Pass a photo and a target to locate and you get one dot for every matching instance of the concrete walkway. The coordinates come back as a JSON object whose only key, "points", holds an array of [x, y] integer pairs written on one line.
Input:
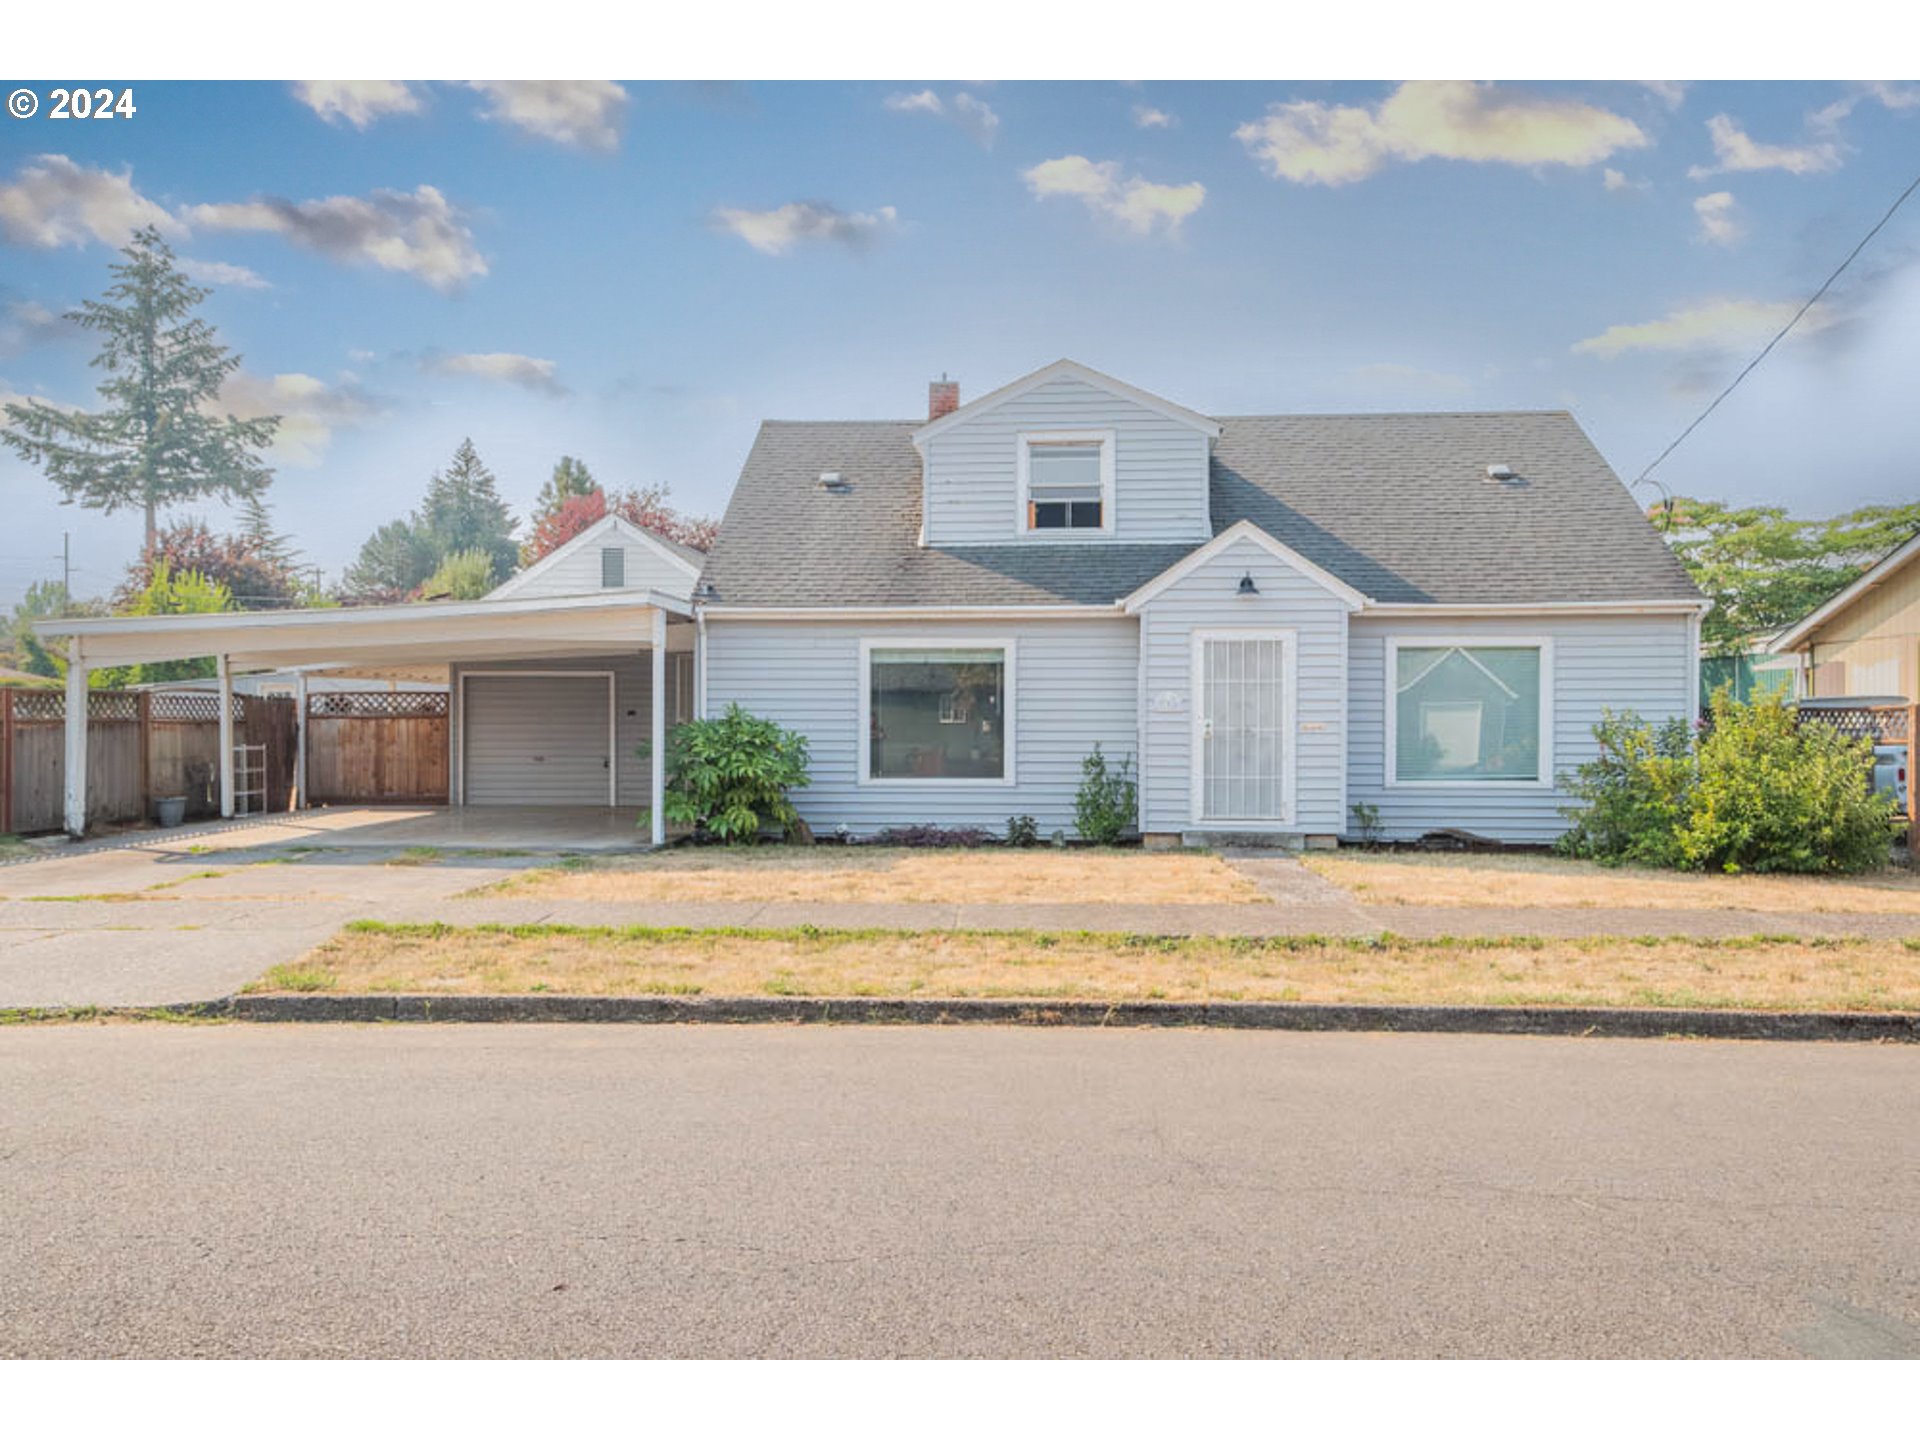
{"points": [[196, 915]]}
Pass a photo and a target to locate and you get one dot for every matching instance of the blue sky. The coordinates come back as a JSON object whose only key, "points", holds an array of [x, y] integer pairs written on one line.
{"points": [[638, 274]]}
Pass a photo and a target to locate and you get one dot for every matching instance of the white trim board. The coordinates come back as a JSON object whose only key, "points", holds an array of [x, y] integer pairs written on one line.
{"points": [[1245, 530], [1009, 717], [1390, 703], [605, 525], [1066, 370], [613, 721]]}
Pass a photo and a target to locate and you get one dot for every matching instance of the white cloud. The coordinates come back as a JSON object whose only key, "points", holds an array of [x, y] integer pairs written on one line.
{"points": [[1735, 151], [583, 113], [1147, 117], [51, 201], [1312, 143], [522, 370], [1137, 205], [25, 324], [924, 101], [1616, 180], [358, 102], [1709, 326], [1668, 92], [1891, 95], [219, 272], [972, 115], [1719, 224], [774, 232], [417, 234], [310, 410]]}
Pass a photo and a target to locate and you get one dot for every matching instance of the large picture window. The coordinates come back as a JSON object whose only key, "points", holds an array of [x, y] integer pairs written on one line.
{"points": [[936, 713], [1469, 713]]}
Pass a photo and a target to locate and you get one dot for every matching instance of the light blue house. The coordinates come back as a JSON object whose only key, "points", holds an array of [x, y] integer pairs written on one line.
{"points": [[1276, 618]]}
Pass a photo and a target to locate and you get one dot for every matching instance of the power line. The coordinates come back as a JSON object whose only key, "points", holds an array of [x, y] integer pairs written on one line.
{"points": [[1785, 329]]}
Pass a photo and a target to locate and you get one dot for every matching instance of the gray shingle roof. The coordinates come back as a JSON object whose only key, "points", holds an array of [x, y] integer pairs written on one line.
{"points": [[1398, 506]]}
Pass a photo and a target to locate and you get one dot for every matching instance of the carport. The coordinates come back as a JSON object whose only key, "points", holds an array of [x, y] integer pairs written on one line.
{"points": [[556, 684]]}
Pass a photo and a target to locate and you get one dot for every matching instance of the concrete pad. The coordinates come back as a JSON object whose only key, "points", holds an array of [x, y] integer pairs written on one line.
{"points": [[136, 967]]}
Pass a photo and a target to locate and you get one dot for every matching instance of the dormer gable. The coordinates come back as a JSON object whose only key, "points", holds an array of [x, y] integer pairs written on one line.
{"points": [[610, 554], [1065, 455]]}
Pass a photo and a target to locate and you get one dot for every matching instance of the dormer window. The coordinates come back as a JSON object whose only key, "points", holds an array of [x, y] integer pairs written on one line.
{"points": [[1066, 481]]}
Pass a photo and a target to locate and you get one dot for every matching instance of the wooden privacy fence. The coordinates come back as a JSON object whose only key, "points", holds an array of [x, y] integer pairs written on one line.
{"points": [[374, 747], [141, 746]]}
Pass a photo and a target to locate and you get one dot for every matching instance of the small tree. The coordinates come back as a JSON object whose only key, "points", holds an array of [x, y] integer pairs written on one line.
{"points": [[156, 440], [1633, 798], [730, 776], [463, 575], [1103, 810], [170, 592]]}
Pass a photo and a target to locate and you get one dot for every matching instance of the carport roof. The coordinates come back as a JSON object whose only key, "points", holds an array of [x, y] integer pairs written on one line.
{"points": [[377, 634]]}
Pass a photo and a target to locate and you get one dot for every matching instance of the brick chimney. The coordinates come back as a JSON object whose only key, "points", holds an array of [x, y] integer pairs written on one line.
{"points": [[943, 397]]}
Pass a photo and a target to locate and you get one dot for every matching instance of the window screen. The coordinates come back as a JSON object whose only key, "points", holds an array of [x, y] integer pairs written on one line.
{"points": [[1063, 486], [1467, 713]]}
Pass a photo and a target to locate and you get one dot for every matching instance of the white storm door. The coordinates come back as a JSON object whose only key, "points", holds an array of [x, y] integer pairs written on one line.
{"points": [[1242, 726]]}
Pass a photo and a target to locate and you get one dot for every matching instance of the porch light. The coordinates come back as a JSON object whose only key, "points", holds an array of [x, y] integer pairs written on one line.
{"points": [[1247, 587]]}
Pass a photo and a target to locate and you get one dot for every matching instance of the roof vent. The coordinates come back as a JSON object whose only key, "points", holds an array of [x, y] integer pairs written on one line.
{"points": [[1502, 473], [834, 482]]}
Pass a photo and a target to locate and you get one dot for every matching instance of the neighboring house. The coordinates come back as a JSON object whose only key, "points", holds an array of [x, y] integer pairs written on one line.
{"points": [[1866, 639], [1275, 618]]}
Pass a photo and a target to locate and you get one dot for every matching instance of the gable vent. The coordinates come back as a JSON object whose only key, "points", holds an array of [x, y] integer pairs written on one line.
{"points": [[834, 482]]}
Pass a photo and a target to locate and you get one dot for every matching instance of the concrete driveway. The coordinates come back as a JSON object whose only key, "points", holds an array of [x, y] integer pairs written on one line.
{"points": [[712, 1191]]}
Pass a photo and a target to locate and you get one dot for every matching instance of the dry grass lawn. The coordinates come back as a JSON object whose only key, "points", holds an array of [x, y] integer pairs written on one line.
{"points": [[1758, 973], [1397, 878], [833, 873]]}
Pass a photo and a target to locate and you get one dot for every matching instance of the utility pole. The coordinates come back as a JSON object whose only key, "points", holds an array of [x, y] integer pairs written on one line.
{"points": [[66, 572]]}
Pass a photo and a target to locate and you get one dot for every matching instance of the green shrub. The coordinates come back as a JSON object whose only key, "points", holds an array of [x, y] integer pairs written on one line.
{"points": [[1103, 810], [1633, 798], [730, 776], [1775, 795], [1022, 831], [1757, 791]]}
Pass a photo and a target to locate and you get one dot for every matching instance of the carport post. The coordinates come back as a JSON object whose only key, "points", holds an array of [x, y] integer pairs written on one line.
{"points": [[300, 740], [75, 797], [226, 738], [657, 752]]}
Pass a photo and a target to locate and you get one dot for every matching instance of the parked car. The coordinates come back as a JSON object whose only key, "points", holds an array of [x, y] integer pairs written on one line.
{"points": [[1889, 756]]}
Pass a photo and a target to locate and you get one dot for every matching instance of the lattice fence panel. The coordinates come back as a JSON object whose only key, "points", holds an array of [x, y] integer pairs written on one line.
{"points": [[189, 706], [1879, 723], [377, 704]]}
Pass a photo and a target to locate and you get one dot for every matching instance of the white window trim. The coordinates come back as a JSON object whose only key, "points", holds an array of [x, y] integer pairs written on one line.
{"points": [[870, 643], [1023, 443], [1390, 685], [613, 722], [1289, 639]]}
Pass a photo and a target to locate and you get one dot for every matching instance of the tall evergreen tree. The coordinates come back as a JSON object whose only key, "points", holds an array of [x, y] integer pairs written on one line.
{"points": [[570, 478], [152, 443], [462, 511], [256, 525]]}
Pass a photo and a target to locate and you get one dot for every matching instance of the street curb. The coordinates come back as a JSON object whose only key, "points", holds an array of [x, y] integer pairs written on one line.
{"points": [[1239, 1015]]}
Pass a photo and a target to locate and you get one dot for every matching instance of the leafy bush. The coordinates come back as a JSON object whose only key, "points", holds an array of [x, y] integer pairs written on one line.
{"points": [[934, 837], [1103, 810], [1634, 797], [1758, 791], [730, 776], [1022, 831], [1774, 794]]}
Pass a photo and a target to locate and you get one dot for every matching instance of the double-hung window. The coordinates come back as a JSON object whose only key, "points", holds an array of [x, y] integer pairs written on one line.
{"points": [[1469, 712], [1066, 481], [937, 712]]}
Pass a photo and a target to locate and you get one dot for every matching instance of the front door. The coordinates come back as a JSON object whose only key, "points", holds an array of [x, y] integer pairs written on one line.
{"points": [[1242, 724]]}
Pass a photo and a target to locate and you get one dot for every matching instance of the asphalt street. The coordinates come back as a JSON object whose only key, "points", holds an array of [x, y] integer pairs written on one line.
{"points": [[232, 1190]]}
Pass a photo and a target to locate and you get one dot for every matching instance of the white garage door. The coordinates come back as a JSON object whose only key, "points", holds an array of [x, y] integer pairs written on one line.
{"points": [[537, 739]]}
